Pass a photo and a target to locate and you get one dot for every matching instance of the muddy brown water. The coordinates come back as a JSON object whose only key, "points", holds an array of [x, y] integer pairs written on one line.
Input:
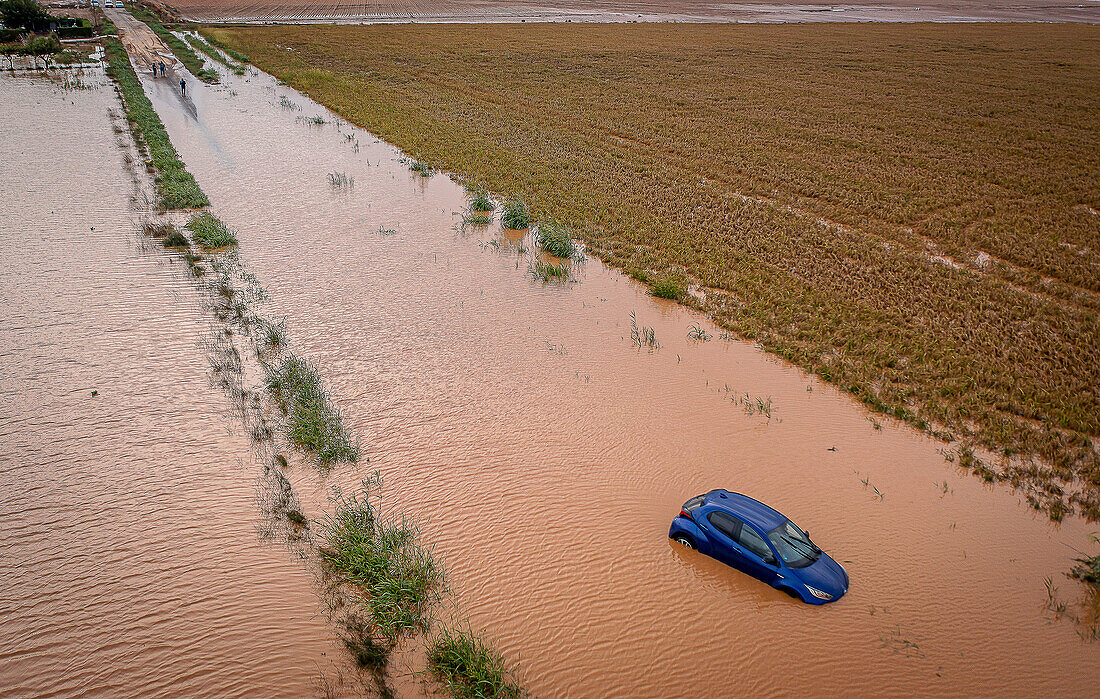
{"points": [[543, 454], [130, 560]]}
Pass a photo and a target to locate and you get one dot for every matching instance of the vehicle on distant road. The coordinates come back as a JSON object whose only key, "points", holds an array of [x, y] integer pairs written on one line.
{"points": [[748, 535]]}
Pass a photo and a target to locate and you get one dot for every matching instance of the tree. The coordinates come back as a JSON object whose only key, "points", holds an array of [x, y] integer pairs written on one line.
{"points": [[45, 46], [10, 51], [26, 14]]}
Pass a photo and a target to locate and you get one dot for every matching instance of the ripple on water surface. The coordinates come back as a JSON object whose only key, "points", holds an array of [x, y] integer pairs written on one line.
{"points": [[131, 562], [546, 455]]}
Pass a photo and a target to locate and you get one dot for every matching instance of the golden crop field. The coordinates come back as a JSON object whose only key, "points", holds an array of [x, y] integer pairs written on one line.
{"points": [[909, 211]]}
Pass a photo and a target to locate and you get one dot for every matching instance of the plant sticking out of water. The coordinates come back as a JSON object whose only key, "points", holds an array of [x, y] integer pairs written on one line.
{"points": [[288, 104], [755, 405], [340, 180], [480, 201], [385, 232], [515, 215], [273, 335], [551, 271], [314, 423], [421, 168], [175, 239], [383, 558], [1087, 568], [155, 229], [698, 332], [468, 667], [477, 218], [316, 120], [642, 336], [669, 286], [555, 240], [210, 232]]}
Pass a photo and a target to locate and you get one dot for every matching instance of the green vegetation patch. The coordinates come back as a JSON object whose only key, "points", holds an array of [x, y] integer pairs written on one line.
{"points": [[210, 232], [384, 558], [468, 667], [175, 187], [556, 240], [314, 423], [514, 215]]}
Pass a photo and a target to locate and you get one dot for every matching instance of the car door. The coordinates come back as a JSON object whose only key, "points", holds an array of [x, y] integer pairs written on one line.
{"points": [[724, 530], [760, 560]]}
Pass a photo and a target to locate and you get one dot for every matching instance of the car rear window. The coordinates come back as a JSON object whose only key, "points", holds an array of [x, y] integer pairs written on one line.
{"points": [[694, 503]]}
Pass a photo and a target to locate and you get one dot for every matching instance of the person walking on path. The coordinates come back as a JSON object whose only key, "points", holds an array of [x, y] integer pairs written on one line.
{"points": [[154, 70], [183, 86], [162, 73]]}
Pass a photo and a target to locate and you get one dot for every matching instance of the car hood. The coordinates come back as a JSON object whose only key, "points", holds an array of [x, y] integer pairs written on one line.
{"points": [[826, 575]]}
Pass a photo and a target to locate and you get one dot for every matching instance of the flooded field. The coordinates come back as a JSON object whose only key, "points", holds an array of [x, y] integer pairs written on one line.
{"points": [[633, 11], [545, 454], [133, 563]]}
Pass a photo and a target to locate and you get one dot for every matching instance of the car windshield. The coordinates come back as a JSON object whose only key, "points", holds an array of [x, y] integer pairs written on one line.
{"points": [[793, 545]]}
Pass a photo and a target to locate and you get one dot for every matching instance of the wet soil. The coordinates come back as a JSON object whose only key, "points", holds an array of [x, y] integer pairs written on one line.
{"points": [[545, 454]]}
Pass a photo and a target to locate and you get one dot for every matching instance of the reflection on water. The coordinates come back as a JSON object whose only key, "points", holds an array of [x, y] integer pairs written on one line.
{"points": [[545, 454]]}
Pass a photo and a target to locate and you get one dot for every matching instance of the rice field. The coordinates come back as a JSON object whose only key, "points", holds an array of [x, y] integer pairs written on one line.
{"points": [[911, 212]]}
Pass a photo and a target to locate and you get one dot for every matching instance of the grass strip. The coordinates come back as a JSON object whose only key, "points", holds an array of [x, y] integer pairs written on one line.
{"points": [[229, 50], [210, 51], [210, 232], [469, 668], [175, 187], [314, 423]]}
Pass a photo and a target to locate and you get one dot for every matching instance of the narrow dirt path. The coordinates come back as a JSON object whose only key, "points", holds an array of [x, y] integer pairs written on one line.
{"points": [[144, 46]]}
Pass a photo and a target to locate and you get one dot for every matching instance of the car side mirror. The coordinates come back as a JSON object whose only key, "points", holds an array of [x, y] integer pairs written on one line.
{"points": [[770, 560]]}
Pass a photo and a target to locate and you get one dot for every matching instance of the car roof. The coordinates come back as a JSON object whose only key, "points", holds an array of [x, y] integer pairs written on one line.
{"points": [[745, 508]]}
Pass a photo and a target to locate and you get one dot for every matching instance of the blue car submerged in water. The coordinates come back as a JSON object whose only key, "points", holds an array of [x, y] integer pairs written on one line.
{"points": [[752, 537]]}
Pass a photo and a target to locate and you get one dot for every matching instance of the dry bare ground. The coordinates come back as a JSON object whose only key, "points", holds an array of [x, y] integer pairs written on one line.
{"points": [[909, 211]]}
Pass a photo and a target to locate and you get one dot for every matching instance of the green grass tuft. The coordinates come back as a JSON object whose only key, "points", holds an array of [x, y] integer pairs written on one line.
{"points": [[551, 271], [554, 239], [313, 423], [669, 287], [210, 232], [384, 559], [515, 215], [481, 202], [470, 668]]}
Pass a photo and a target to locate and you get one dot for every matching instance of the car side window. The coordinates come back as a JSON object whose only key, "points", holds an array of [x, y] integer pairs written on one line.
{"points": [[754, 542], [730, 526]]}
